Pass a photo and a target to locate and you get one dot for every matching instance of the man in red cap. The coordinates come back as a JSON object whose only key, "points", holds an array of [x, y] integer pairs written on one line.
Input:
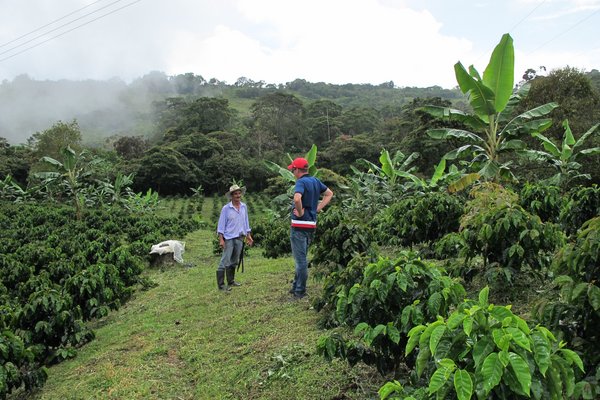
{"points": [[307, 193]]}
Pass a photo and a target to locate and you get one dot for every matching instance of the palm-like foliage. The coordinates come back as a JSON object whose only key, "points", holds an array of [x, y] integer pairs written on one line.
{"points": [[69, 174], [493, 128], [564, 158]]}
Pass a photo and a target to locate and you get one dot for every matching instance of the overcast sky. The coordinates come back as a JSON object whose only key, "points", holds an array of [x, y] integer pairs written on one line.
{"points": [[410, 42]]}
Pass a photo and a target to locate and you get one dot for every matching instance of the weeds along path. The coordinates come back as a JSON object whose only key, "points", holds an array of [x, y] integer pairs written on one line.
{"points": [[185, 340]]}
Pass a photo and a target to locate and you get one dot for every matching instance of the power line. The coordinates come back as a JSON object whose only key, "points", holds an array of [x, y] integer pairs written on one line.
{"points": [[57, 28], [527, 16], [50, 23], [65, 32], [565, 31], [519, 23]]}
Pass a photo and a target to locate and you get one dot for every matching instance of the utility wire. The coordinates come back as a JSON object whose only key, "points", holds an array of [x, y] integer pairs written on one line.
{"points": [[65, 32], [57, 28], [527, 16], [565, 31], [518, 23], [49, 23]]}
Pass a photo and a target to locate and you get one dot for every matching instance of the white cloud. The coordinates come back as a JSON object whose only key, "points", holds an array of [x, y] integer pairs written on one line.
{"points": [[332, 41]]}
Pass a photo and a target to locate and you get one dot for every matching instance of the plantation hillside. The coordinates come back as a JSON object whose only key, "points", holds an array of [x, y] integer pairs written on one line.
{"points": [[458, 259]]}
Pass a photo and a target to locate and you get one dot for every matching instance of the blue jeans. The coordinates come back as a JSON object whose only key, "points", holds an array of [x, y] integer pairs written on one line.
{"points": [[300, 240], [231, 254]]}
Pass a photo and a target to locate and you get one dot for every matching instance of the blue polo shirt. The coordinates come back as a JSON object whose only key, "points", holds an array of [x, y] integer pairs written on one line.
{"points": [[310, 188]]}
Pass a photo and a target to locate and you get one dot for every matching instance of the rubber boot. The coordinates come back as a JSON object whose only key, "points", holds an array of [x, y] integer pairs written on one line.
{"points": [[221, 281], [231, 277]]}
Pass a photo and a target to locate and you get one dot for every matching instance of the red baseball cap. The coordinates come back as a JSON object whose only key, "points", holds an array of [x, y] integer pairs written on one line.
{"points": [[299, 163]]}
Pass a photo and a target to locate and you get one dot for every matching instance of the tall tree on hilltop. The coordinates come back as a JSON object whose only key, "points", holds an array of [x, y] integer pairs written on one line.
{"points": [[279, 116], [52, 141]]}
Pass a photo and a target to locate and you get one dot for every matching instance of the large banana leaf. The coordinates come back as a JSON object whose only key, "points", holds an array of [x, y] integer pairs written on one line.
{"points": [[463, 182], [439, 172], [499, 75], [471, 121], [480, 96], [548, 145], [585, 136], [456, 153], [386, 165], [513, 102], [536, 112], [445, 133], [510, 145], [490, 169]]}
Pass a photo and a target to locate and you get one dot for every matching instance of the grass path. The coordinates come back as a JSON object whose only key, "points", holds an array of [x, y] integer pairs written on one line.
{"points": [[185, 340]]}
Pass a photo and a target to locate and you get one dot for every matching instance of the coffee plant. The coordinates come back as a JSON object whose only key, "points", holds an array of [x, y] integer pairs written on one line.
{"points": [[390, 299], [576, 313], [419, 218], [542, 200], [505, 235], [486, 351], [583, 204], [56, 273]]}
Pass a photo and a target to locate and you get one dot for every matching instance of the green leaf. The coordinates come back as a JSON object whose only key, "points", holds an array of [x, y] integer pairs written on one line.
{"points": [[422, 360], [434, 303], [519, 337], [500, 313], [379, 329], [572, 357], [468, 325], [480, 96], [393, 333], [578, 290], [567, 375], [499, 74], [521, 370], [594, 296], [413, 338], [436, 335], [463, 384], [491, 371], [438, 379], [445, 133], [455, 319], [424, 339], [583, 138], [389, 388], [482, 348], [541, 351], [490, 169], [439, 171], [483, 297]]}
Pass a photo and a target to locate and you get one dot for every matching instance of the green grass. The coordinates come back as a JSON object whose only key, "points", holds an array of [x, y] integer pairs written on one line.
{"points": [[183, 339]]}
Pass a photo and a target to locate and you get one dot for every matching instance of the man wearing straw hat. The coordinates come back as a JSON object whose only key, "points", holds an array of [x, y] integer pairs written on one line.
{"points": [[233, 229]]}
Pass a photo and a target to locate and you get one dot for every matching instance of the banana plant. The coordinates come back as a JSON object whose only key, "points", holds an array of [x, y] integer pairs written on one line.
{"points": [[393, 167], [493, 131], [69, 173], [564, 158], [399, 167], [311, 157]]}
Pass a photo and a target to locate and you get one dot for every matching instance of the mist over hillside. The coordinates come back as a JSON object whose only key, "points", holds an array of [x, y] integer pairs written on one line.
{"points": [[113, 107], [102, 108]]}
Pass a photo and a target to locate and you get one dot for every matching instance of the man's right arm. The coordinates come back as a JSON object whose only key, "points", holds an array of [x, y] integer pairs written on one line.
{"points": [[327, 196]]}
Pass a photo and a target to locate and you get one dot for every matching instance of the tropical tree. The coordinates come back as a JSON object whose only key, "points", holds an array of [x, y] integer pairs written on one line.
{"points": [[494, 130], [278, 116], [52, 141], [70, 174], [564, 158]]}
